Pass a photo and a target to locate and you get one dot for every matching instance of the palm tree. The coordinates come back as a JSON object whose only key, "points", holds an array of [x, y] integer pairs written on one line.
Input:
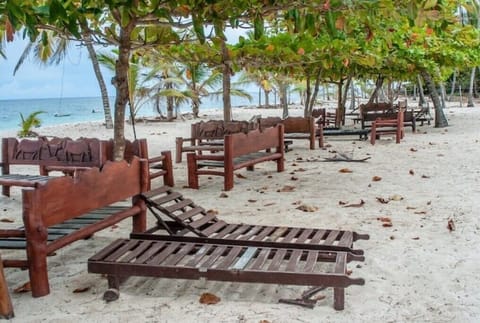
{"points": [[137, 93], [28, 123], [199, 83], [54, 50]]}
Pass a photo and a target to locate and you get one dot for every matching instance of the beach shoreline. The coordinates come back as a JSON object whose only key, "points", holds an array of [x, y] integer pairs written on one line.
{"points": [[415, 270]]}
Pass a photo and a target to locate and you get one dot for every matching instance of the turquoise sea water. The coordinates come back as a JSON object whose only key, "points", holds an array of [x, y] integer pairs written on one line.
{"points": [[74, 110]]}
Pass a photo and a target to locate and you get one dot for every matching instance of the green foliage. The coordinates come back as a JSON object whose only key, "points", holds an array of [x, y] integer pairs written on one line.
{"points": [[31, 121]]}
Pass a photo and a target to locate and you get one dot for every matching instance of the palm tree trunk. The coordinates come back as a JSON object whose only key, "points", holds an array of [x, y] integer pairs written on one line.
{"points": [[87, 37], [440, 119]]}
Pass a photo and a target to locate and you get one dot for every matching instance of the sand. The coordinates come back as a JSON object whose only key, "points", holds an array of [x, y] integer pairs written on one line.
{"points": [[416, 270]]}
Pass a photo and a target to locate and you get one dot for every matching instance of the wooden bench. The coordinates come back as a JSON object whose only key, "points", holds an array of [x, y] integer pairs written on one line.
{"points": [[388, 126], [203, 135], [65, 209], [67, 155], [240, 150], [325, 118], [371, 112], [300, 128], [295, 128]]}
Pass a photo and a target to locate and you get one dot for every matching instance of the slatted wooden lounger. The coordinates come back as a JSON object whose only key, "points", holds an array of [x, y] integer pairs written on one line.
{"points": [[191, 219], [222, 262]]}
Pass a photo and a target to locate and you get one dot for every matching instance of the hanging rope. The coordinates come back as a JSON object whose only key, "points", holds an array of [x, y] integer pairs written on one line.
{"points": [[132, 116]]}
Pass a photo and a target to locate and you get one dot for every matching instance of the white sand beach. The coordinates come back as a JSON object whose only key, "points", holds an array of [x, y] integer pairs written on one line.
{"points": [[416, 270]]}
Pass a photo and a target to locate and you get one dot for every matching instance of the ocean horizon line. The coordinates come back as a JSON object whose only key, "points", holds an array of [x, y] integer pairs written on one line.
{"points": [[54, 98]]}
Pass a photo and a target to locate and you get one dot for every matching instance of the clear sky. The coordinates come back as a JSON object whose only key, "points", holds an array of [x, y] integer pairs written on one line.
{"points": [[72, 78]]}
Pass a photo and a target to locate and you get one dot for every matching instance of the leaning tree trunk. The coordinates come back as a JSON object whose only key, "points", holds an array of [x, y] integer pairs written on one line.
{"points": [[452, 89], [421, 93], [345, 92], [282, 91], [340, 107], [440, 119], [378, 86], [121, 85], [470, 89], [87, 37], [227, 72]]}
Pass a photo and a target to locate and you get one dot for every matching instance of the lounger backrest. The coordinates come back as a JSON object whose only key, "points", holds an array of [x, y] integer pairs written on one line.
{"points": [[298, 125], [255, 140]]}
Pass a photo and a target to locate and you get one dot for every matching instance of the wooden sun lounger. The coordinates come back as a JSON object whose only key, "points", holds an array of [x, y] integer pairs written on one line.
{"points": [[222, 262], [67, 209], [191, 219]]}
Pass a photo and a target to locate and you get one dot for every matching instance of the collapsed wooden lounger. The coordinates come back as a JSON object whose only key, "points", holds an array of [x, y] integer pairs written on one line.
{"points": [[222, 262], [191, 219]]}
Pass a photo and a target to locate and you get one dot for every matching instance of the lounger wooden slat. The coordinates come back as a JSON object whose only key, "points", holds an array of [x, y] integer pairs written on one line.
{"points": [[294, 259], [162, 255], [291, 235], [198, 223], [332, 237], [243, 261], [265, 232], [192, 212], [150, 252], [277, 260], [304, 235], [252, 232], [346, 237], [121, 251], [261, 259], [318, 236], [209, 261], [135, 252], [228, 229], [311, 261], [231, 263], [167, 198], [184, 250], [108, 250], [219, 225], [238, 232], [199, 255], [179, 205], [278, 233], [227, 261], [157, 191]]}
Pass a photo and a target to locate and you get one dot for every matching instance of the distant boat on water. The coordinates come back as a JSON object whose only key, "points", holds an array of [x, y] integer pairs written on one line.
{"points": [[61, 114]]}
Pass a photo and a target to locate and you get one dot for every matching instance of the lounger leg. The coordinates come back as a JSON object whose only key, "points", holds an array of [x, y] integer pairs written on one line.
{"points": [[139, 221], [6, 308], [113, 291], [338, 298], [168, 167], [6, 190], [178, 150], [37, 271], [373, 134], [192, 171]]}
